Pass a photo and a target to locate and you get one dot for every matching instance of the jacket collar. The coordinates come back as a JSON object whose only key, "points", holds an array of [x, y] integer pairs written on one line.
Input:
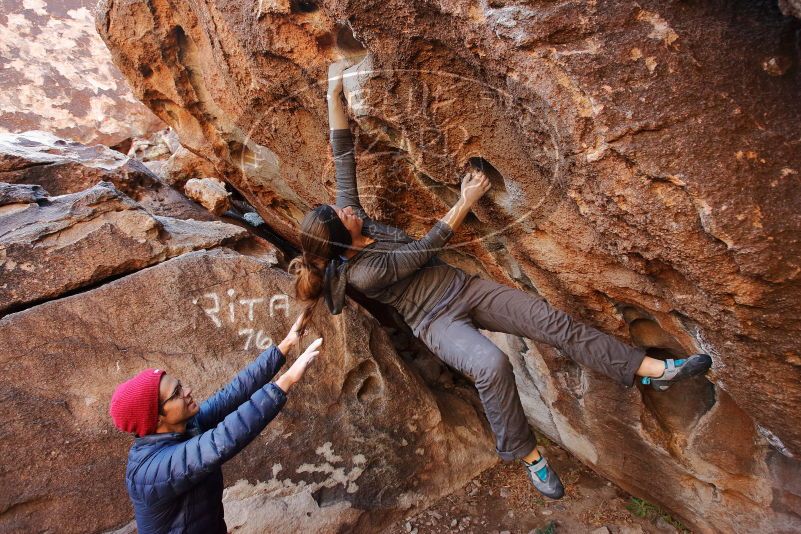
{"points": [[161, 437], [191, 431]]}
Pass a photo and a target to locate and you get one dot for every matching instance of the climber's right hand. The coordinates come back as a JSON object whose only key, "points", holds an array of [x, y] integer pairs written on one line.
{"points": [[474, 184]]}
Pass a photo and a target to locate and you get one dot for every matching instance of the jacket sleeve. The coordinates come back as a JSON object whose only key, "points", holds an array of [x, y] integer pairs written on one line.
{"points": [[178, 468], [345, 169], [241, 388], [381, 270]]}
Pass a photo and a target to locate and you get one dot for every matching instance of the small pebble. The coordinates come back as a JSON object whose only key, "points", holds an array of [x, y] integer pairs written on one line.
{"points": [[408, 527], [453, 523], [546, 512]]}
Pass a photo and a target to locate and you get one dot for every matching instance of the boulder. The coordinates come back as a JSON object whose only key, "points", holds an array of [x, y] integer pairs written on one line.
{"points": [[11, 194], [158, 147], [667, 446], [51, 246], [163, 154], [182, 166], [63, 166], [644, 168], [360, 442], [209, 193]]}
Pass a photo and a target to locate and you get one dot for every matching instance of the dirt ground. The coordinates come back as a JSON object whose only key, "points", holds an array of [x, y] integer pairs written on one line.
{"points": [[502, 501]]}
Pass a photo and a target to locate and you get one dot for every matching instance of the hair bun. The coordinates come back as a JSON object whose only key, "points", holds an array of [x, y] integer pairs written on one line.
{"points": [[310, 265]]}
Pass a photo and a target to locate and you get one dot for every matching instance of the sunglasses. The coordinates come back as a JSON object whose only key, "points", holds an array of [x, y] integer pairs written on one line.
{"points": [[176, 392]]}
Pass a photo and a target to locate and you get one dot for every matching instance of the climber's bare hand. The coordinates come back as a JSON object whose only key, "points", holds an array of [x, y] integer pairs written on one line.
{"points": [[335, 76], [474, 184]]}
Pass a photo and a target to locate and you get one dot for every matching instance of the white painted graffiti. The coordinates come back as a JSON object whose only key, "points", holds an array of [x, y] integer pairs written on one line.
{"points": [[237, 310], [259, 338]]}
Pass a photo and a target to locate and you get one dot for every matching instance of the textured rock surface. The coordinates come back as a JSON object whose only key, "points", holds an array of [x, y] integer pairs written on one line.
{"points": [[163, 154], [57, 76], [50, 247], [791, 7], [159, 146], [182, 166], [61, 166], [11, 194], [359, 442], [209, 193], [647, 180]]}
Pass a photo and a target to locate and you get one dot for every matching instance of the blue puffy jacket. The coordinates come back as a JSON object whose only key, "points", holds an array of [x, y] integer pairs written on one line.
{"points": [[174, 479]]}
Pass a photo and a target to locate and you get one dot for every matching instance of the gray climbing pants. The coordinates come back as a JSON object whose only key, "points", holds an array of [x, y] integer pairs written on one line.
{"points": [[451, 332]]}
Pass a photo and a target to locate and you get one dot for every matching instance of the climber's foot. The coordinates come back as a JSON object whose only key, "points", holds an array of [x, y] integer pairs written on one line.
{"points": [[544, 478], [676, 370]]}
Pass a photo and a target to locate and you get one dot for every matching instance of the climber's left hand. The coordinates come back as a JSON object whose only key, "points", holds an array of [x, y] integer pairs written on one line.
{"points": [[335, 77]]}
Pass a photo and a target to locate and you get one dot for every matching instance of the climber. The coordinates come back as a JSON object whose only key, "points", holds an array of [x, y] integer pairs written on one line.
{"points": [[445, 307], [173, 474]]}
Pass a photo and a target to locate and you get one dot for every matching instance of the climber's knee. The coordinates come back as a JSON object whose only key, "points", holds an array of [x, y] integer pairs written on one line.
{"points": [[494, 367]]}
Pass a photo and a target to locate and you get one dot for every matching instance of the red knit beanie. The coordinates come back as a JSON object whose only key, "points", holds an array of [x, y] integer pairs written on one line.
{"points": [[135, 403]]}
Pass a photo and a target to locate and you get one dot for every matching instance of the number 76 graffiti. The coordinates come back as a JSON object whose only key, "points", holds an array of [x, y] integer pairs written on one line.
{"points": [[238, 310]]}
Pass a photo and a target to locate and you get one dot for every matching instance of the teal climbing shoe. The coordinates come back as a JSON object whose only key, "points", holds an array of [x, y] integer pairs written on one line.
{"points": [[676, 370], [544, 478]]}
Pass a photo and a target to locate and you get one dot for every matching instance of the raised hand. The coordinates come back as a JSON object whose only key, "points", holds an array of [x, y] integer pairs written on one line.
{"points": [[305, 359], [337, 118], [294, 332], [335, 76], [293, 337], [298, 368], [474, 184]]}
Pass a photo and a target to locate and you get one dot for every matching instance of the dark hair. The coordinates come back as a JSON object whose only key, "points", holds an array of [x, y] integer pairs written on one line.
{"points": [[322, 237]]}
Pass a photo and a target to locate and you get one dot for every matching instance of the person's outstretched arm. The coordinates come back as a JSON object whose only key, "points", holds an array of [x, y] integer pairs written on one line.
{"points": [[247, 381], [342, 143], [381, 270], [174, 470]]}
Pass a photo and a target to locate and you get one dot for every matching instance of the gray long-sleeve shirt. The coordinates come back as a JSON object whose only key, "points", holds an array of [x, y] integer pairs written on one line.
{"points": [[395, 269]]}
